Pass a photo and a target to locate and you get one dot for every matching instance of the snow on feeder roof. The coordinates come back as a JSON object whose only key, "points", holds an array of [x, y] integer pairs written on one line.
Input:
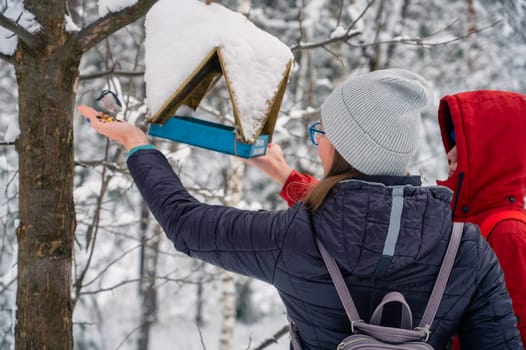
{"points": [[189, 45]]}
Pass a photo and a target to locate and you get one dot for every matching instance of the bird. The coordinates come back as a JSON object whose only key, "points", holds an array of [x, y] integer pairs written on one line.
{"points": [[110, 102]]}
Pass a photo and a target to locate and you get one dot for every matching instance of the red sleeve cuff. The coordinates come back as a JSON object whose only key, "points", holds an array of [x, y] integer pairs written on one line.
{"points": [[296, 187]]}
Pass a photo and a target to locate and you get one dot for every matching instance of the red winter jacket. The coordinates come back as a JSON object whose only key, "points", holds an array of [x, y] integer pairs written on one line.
{"points": [[490, 134]]}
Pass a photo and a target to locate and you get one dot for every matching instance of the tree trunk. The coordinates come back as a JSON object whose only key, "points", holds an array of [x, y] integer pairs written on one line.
{"points": [[374, 61], [234, 191], [148, 287], [199, 320], [228, 300], [46, 85], [472, 28], [46, 63], [399, 29]]}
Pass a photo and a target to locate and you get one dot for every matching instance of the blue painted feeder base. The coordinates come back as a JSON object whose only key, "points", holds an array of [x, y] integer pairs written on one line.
{"points": [[208, 135]]}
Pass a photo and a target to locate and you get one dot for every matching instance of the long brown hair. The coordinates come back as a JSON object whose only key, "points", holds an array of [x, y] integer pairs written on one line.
{"points": [[340, 170]]}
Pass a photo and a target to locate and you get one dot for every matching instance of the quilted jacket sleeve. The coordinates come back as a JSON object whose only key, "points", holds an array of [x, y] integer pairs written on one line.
{"points": [[489, 322], [242, 241]]}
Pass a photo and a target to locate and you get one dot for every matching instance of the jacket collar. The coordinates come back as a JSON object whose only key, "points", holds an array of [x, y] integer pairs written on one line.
{"points": [[391, 180]]}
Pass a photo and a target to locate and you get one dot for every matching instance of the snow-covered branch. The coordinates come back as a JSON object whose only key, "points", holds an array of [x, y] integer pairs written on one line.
{"points": [[344, 35], [274, 338], [7, 58], [8, 143], [103, 27], [309, 46], [418, 41], [23, 34], [426, 41]]}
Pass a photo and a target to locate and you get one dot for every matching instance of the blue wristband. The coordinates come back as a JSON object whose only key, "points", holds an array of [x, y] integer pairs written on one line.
{"points": [[136, 148]]}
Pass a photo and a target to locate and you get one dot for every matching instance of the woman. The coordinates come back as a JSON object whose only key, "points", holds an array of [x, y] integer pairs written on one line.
{"points": [[367, 133]]}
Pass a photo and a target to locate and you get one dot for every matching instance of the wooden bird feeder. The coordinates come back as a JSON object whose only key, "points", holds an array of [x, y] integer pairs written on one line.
{"points": [[213, 136]]}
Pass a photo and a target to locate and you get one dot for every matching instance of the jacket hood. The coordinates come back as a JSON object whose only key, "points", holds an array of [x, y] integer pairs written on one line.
{"points": [[354, 221], [490, 135]]}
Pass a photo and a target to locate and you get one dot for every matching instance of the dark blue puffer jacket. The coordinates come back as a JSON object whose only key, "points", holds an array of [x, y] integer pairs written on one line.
{"points": [[279, 248]]}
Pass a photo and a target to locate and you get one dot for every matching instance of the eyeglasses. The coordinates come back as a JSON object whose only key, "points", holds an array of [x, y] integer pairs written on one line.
{"points": [[315, 131]]}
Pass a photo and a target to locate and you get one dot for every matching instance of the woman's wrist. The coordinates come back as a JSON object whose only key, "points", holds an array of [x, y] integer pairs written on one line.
{"points": [[281, 174], [137, 148], [135, 139]]}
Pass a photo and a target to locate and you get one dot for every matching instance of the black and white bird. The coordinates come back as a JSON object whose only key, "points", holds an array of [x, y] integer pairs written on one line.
{"points": [[110, 102]]}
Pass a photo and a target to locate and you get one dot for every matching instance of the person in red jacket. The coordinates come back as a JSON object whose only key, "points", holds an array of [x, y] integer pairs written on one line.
{"points": [[484, 135]]}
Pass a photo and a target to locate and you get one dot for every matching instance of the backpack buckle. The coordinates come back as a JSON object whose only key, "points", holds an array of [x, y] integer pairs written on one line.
{"points": [[352, 325], [426, 331]]}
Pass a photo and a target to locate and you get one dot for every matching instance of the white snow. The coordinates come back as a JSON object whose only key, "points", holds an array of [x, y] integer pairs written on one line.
{"points": [[338, 32], [109, 6], [355, 14], [12, 132], [26, 19], [180, 34], [8, 42], [312, 13], [69, 25]]}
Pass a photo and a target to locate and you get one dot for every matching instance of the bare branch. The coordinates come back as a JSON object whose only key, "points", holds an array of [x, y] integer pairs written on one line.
{"points": [[103, 27], [274, 338], [422, 41], [337, 56], [96, 163], [369, 4], [7, 58], [128, 336], [6, 286], [309, 46], [7, 143], [110, 73], [107, 267], [418, 41], [23, 34], [201, 336], [164, 279], [341, 38], [340, 13]]}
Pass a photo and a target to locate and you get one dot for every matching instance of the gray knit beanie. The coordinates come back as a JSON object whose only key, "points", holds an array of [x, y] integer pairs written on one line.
{"points": [[373, 120]]}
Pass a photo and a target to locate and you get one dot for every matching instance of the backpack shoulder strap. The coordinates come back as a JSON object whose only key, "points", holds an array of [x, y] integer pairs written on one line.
{"points": [[339, 283], [436, 294], [443, 276], [492, 220]]}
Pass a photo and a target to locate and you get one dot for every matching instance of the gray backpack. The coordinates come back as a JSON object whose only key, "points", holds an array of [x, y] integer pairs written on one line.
{"points": [[374, 336]]}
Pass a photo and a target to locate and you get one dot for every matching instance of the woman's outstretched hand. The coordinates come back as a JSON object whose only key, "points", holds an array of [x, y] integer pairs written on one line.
{"points": [[123, 132]]}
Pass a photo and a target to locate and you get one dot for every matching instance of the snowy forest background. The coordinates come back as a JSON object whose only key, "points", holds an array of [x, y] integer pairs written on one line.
{"points": [[131, 290]]}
